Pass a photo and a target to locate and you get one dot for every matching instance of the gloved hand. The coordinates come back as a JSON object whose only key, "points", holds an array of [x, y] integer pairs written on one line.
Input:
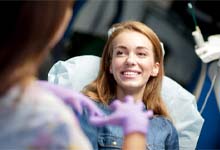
{"points": [[74, 99], [128, 114]]}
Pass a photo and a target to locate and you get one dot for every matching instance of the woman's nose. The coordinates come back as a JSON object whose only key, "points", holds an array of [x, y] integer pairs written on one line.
{"points": [[131, 60]]}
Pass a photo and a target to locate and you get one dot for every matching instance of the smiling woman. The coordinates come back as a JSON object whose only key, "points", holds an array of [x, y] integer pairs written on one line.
{"points": [[131, 64]]}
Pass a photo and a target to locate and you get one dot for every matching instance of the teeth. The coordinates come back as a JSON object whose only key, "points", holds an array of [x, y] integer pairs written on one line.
{"points": [[130, 73]]}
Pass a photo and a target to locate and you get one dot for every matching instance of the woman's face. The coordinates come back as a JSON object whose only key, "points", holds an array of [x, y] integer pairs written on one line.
{"points": [[132, 61]]}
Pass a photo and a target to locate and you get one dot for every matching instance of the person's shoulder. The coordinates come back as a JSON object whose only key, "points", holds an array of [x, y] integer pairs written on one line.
{"points": [[57, 119], [43, 104], [39, 115], [162, 122]]}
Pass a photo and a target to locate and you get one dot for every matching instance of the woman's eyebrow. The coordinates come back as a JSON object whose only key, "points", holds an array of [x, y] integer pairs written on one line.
{"points": [[142, 48], [121, 47]]}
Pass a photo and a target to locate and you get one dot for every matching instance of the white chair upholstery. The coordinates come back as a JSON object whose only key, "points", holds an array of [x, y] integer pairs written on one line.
{"points": [[182, 107], [77, 72]]}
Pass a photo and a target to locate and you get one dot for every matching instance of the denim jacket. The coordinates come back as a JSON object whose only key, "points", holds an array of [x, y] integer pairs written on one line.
{"points": [[161, 135]]}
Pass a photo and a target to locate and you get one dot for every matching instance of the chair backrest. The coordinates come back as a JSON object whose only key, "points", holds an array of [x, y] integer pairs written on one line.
{"points": [[77, 72]]}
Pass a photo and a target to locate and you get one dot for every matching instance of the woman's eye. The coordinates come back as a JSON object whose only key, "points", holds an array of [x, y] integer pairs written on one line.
{"points": [[142, 54], [119, 53]]}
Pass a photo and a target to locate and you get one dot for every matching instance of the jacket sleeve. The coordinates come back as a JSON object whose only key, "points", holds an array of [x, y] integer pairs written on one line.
{"points": [[172, 141]]}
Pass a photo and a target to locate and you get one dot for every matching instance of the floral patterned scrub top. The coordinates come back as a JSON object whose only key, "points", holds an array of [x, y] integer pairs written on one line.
{"points": [[34, 119]]}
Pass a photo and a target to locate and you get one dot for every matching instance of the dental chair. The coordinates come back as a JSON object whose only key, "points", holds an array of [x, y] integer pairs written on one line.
{"points": [[78, 71]]}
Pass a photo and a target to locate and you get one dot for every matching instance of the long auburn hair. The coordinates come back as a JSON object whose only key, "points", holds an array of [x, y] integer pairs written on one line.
{"points": [[27, 28], [102, 89]]}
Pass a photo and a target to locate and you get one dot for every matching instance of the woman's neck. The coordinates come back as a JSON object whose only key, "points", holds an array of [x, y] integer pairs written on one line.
{"points": [[137, 93]]}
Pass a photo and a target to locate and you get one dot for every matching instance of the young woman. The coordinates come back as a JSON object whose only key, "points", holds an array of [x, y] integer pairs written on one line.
{"points": [[131, 64]]}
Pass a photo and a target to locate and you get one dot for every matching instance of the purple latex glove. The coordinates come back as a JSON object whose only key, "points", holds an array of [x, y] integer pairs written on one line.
{"points": [[72, 98], [128, 114]]}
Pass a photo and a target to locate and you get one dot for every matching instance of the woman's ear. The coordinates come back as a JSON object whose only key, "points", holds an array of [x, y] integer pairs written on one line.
{"points": [[155, 70]]}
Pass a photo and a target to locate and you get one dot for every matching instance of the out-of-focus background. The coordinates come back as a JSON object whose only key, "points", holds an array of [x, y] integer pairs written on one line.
{"points": [[173, 23], [170, 19]]}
